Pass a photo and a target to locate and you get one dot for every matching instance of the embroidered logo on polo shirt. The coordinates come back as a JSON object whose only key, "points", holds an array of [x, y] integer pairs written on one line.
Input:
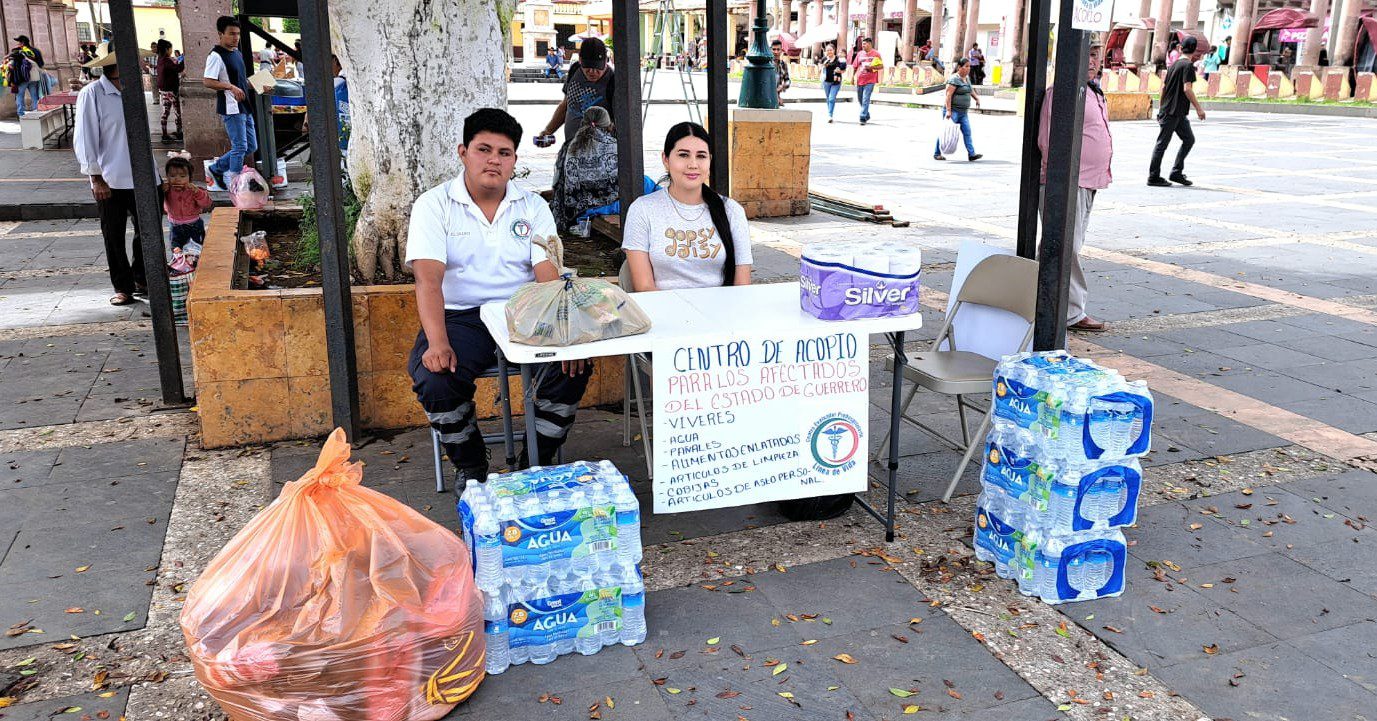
{"points": [[521, 229]]}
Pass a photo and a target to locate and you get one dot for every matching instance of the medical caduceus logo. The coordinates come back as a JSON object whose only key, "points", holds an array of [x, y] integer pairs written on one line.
{"points": [[835, 441]]}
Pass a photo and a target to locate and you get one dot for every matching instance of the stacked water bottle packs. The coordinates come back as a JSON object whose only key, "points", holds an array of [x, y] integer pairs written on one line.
{"points": [[1061, 475], [556, 553]]}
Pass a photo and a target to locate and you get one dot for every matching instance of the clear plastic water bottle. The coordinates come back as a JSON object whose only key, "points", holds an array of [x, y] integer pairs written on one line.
{"points": [[998, 522], [1091, 562], [610, 578], [488, 552], [633, 609], [495, 633], [542, 650], [563, 580], [588, 641], [628, 525]]}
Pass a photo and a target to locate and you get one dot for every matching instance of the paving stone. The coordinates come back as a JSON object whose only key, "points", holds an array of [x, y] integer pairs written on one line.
{"points": [[1270, 356], [1273, 388], [1164, 533], [1269, 331], [942, 652], [496, 700], [1166, 450], [1216, 435], [1141, 345], [58, 505], [113, 460], [855, 598], [1347, 650], [1352, 493], [91, 705], [1274, 682], [25, 468], [816, 688], [1347, 377], [114, 593], [683, 619], [1354, 565], [1186, 623], [1032, 709], [1283, 597], [925, 477], [1313, 523], [1330, 348], [1207, 338], [1350, 413], [38, 554]]}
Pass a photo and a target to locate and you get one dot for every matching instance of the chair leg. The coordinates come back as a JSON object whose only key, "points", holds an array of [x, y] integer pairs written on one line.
{"points": [[903, 408], [966, 458], [504, 389], [626, 402], [961, 415], [640, 413], [439, 461]]}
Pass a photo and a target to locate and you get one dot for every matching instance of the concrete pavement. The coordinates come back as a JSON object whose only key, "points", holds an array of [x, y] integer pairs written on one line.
{"points": [[1246, 302]]}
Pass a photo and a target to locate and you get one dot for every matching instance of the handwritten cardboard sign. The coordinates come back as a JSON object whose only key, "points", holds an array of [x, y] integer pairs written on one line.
{"points": [[760, 418]]}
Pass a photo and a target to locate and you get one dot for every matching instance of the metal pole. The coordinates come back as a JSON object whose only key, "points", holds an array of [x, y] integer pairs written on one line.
{"points": [[626, 87], [1035, 83], [147, 204], [329, 195], [759, 79], [1063, 186], [717, 96]]}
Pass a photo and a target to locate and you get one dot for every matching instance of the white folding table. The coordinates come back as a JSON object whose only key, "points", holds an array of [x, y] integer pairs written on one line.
{"points": [[692, 314]]}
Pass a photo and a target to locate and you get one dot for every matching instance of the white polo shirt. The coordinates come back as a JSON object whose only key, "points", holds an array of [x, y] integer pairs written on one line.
{"points": [[484, 261]]}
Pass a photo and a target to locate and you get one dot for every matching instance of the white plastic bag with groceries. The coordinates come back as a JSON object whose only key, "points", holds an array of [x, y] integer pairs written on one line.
{"points": [[571, 310]]}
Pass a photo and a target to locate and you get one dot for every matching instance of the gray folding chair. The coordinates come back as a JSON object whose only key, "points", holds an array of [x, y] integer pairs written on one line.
{"points": [[999, 281], [636, 365]]}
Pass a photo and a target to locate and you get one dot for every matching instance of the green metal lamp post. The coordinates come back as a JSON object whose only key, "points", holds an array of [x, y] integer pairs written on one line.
{"points": [[759, 79]]}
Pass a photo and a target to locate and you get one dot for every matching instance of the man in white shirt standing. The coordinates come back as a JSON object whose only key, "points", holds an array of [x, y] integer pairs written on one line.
{"points": [[473, 240], [102, 150], [225, 72]]}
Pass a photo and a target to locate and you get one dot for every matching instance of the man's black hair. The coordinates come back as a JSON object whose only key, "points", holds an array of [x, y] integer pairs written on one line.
{"points": [[225, 21], [492, 120], [776, 41], [1189, 45]]}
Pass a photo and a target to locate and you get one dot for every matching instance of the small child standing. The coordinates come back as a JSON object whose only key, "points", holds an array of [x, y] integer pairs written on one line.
{"points": [[184, 202]]}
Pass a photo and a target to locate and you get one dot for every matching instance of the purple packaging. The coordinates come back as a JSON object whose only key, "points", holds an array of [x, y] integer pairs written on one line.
{"points": [[836, 291]]}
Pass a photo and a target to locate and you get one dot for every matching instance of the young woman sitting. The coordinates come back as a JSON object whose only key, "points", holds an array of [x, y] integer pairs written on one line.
{"points": [[686, 235]]}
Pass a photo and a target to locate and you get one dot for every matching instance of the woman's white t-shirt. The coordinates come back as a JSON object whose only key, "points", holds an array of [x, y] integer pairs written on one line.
{"points": [[684, 248]]}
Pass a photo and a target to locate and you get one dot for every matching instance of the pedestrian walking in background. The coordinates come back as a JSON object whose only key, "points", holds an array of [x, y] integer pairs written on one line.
{"points": [[781, 69], [1178, 97], [957, 107], [868, 66], [267, 58], [1211, 62], [833, 68], [169, 76], [25, 63], [1224, 50], [977, 58], [1173, 50], [102, 151], [225, 72], [1097, 152]]}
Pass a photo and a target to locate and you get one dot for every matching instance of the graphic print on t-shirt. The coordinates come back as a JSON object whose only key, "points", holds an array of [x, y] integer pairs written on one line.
{"points": [[692, 243]]}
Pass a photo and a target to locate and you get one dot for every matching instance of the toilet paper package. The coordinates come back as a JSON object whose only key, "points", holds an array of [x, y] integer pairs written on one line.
{"points": [[844, 280]]}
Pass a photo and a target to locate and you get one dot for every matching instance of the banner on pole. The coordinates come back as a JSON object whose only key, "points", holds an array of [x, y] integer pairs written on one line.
{"points": [[760, 418], [1095, 15]]}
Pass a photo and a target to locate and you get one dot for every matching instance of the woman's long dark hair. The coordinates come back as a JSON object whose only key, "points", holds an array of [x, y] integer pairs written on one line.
{"points": [[717, 209]]}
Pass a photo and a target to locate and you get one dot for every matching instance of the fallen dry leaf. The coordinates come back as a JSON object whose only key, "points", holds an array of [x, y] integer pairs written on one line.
{"points": [[845, 658]]}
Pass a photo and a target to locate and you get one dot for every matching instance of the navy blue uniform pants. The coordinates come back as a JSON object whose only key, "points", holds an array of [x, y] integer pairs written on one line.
{"points": [[447, 397]]}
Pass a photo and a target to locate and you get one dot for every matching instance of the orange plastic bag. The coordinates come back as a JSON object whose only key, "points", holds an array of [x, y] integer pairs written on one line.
{"points": [[337, 603]]}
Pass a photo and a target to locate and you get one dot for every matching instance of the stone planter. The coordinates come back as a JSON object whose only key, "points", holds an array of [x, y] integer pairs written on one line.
{"points": [[259, 356]]}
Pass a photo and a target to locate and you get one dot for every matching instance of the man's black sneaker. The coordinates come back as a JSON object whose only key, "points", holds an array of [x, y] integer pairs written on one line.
{"points": [[462, 476], [1158, 181], [219, 178], [939, 157], [1180, 178], [976, 157]]}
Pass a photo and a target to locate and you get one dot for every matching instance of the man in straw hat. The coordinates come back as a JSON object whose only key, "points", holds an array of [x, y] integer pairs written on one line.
{"points": [[102, 150]]}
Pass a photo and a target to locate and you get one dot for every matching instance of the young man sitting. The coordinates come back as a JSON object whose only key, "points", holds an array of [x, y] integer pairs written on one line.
{"points": [[472, 241]]}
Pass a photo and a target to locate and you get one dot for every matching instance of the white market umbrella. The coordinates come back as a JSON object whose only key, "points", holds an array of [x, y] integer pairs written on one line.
{"points": [[580, 37], [824, 33]]}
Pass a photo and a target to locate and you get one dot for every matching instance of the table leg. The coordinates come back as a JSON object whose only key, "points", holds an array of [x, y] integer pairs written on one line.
{"points": [[900, 360], [528, 386], [505, 388]]}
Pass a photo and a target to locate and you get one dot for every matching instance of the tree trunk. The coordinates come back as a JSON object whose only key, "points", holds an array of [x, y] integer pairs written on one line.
{"points": [[417, 68]]}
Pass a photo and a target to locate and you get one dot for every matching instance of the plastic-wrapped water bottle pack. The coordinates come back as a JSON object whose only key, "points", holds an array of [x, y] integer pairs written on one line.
{"points": [[556, 554], [1061, 475]]}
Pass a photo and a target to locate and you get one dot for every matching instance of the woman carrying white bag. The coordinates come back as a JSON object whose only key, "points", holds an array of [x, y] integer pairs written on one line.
{"points": [[957, 107]]}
